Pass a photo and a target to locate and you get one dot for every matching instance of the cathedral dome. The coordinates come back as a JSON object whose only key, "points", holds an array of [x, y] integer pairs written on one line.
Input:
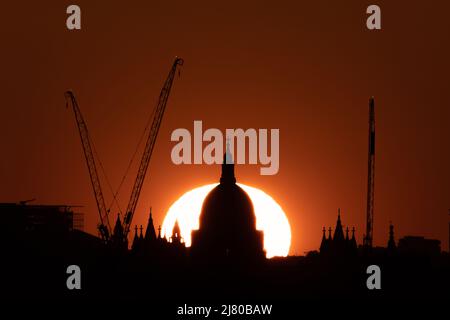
{"points": [[227, 227], [227, 209]]}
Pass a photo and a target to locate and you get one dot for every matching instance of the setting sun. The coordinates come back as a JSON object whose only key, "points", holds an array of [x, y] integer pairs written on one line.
{"points": [[270, 218]]}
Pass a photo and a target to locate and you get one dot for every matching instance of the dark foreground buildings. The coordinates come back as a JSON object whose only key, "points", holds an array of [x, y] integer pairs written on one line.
{"points": [[225, 262], [227, 230]]}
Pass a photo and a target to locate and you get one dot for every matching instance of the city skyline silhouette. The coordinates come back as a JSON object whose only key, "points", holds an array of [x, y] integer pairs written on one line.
{"points": [[356, 201], [309, 73]]}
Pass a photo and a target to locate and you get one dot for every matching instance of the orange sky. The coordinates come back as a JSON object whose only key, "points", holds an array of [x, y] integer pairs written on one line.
{"points": [[307, 69]]}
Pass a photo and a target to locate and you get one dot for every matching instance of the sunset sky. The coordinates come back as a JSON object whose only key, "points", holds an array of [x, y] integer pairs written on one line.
{"points": [[307, 69]]}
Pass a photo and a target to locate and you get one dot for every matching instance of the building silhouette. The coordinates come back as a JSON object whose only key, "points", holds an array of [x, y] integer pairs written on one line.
{"points": [[416, 245], [391, 246], [216, 265], [41, 237], [118, 241], [227, 227], [23, 217], [339, 244], [147, 242], [158, 248]]}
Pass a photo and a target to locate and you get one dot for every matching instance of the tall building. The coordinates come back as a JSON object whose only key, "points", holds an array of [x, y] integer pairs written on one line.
{"points": [[227, 231]]}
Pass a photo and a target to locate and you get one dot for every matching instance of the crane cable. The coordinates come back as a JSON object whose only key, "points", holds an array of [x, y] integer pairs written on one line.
{"points": [[105, 175], [141, 139], [147, 127]]}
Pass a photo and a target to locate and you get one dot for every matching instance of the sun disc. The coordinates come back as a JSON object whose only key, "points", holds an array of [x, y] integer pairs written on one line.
{"points": [[270, 218]]}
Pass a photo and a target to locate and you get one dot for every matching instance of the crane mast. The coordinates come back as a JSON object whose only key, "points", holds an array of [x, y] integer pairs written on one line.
{"points": [[371, 176], [104, 226], [156, 123]]}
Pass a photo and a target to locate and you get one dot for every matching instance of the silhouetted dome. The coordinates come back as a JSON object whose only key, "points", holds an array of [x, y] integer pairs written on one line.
{"points": [[227, 223], [227, 206]]}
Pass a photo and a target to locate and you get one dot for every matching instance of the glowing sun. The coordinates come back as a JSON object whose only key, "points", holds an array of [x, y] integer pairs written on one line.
{"points": [[270, 218]]}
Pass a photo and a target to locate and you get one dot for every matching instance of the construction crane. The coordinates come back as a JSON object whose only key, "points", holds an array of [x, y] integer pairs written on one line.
{"points": [[104, 226], [371, 176], [150, 144]]}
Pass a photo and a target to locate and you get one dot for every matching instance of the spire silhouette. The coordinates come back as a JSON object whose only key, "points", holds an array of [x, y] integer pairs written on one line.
{"points": [[150, 233], [118, 230], [176, 234], [228, 154], [227, 176], [338, 232], [117, 238], [324, 244], [391, 243]]}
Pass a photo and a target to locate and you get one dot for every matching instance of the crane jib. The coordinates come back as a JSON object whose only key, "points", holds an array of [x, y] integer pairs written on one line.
{"points": [[156, 123], [104, 226]]}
